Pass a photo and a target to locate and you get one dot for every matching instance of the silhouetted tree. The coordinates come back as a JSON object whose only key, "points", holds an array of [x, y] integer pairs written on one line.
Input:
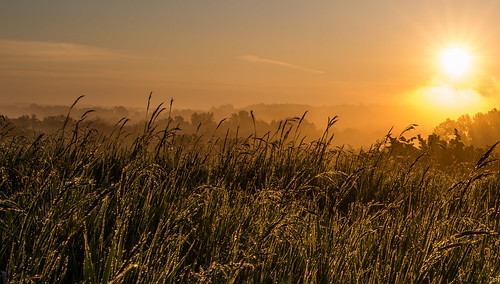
{"points": [[482, 130]]}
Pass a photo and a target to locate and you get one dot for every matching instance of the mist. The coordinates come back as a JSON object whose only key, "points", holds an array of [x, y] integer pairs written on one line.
{"points": [[358, 125]]}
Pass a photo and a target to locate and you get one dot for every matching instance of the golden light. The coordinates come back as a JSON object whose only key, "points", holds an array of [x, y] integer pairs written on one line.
{"points": [[456, 61], [446, 97], [442, 101], [453, 91]]}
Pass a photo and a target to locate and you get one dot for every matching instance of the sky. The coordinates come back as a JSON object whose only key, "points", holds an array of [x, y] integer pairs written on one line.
{"points": [[209, 53]]}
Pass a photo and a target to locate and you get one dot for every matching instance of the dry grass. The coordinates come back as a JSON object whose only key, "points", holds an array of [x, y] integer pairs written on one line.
{"points": [[83, 207]]}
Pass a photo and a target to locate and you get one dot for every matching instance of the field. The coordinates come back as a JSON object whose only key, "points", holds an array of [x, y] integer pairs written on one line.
{"points": [[159, 206]]}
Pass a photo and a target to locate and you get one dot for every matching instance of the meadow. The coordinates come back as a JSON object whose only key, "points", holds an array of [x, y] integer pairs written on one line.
{"points": [[158, 206]]}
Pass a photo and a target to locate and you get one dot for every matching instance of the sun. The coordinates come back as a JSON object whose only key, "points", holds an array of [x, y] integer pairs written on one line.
{"points": [[456, 62], [455, 89]]}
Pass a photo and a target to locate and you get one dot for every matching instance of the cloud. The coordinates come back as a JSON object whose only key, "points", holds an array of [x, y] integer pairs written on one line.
{"points": [[440, 100], [257, 59], [445, 96], [35, 59], [11, 50]]}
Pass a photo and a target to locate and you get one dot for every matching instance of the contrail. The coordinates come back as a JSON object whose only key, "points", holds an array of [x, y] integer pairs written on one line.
{"points": [[252, 58]]}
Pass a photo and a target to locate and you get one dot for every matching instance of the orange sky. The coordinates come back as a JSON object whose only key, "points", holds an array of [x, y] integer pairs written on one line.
{"points": [[206, 53]]}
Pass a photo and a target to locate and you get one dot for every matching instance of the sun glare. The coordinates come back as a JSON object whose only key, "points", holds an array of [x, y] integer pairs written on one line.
{"points": [[453, 92], [456, 61]]}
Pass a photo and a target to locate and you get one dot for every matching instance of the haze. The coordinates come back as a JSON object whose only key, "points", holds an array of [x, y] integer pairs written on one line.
{"points": [[210, 53]]}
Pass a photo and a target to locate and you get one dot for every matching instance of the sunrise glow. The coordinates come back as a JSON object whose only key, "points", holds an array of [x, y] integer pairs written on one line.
{"points": [[250, 141]]}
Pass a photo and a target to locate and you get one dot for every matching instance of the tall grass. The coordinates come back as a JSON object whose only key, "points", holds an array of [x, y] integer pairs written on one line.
{"points": [[80, 206]]}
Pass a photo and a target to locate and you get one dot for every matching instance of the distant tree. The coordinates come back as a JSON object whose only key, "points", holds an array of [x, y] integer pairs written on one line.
{"points": [[447, 129], [26, 122], [179, 121], [120, 111], [203, 122], [485, 128], [482, 130], [52, 124], [243, 120]]}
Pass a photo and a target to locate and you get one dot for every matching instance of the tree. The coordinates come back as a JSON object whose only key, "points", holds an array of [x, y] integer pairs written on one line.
{"points": [[480, 131]]}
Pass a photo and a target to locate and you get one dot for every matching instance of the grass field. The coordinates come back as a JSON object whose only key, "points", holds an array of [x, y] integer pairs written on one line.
{"points": [[81, 206]]}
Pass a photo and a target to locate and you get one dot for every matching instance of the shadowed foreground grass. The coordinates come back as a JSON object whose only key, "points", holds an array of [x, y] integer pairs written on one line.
{"points": [[79, 206]]}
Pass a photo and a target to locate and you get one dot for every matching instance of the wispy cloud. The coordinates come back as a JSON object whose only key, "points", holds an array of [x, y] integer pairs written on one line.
{"points": [[57, 52], [257, 59], [61, 60]]}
